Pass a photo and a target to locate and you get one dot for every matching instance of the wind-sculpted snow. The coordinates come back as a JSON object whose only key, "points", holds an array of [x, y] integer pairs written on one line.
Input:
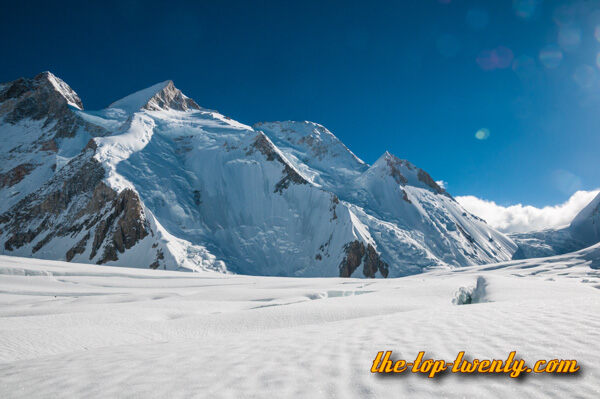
{"points": [[187, 187], [79, 330]]}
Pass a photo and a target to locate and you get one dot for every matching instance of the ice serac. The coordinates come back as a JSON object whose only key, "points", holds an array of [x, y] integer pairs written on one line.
{"points": [[582, 232], [157, 181]]}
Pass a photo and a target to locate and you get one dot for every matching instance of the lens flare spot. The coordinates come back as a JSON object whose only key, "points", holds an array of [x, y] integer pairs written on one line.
{"points": [[551, 56], [566, 181], [525, 8], [524, 66], [585, 76], [569, 38], [565, 15], [482, 134], [498, 58]]}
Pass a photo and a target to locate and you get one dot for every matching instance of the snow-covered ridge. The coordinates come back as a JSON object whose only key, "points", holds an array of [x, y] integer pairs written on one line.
{"points": [[156, 181], [582, 232], [64, 89], [159, 97]]}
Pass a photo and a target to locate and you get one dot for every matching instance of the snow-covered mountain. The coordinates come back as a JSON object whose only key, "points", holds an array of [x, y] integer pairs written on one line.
{"points": [[155, 180], [582, 232]]}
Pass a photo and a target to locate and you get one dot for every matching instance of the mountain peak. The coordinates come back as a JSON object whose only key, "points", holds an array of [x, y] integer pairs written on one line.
{"points": [[405, 172], [311, 139], [388, 159], [40, 97], [43, 85], [61, 87], [159, 97]]}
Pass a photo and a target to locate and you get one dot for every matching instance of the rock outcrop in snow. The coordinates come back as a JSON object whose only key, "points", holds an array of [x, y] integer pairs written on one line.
{"points": [[160, 97], [157, 181]]}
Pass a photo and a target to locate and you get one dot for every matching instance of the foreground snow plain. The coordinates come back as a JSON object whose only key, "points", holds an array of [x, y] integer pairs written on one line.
{"points": [[78, 330]]}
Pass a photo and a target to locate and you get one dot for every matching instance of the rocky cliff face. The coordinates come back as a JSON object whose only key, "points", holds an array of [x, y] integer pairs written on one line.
{"points": [[43, 98], [157, 181], [76, 207], [40, 129]]}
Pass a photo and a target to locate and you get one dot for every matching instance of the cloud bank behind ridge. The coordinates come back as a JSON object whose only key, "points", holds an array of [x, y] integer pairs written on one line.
{"points": [[522, 218]]}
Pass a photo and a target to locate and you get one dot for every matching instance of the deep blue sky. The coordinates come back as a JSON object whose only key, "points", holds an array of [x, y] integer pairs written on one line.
{"points": [[418, 78]]}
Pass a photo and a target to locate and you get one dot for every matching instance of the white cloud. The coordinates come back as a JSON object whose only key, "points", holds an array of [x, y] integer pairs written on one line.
{"points": [[521, 218]]}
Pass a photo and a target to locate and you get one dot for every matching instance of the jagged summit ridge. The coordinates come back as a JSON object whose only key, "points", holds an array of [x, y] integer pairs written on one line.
{"points": [[159, 97], [171, 188], [310, 135], [39, 97], [405, 173], [61, 87]]}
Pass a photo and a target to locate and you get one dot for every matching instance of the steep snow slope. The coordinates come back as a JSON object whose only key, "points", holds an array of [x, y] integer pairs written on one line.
{"points": [[156, 180], [583, 231], [321, 157], [416, 222], [75, 330], [585, 227]]}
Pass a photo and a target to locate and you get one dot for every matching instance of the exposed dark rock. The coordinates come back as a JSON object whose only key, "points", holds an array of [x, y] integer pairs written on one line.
{"points": [[91, 145], [43, 242], [74, 199], [372, 263], [15, 175], [131, 227], [197, 198], [393, 164], [334, 203], [159, 256], [110, 254], [122, 228], [357, 253], [18, 239], [289, 176], [465, 234], [79, 248], [39, 99], [425, 178], [265, 147], [405, 197], [101, 196], [170, 98], [49, 145]]}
